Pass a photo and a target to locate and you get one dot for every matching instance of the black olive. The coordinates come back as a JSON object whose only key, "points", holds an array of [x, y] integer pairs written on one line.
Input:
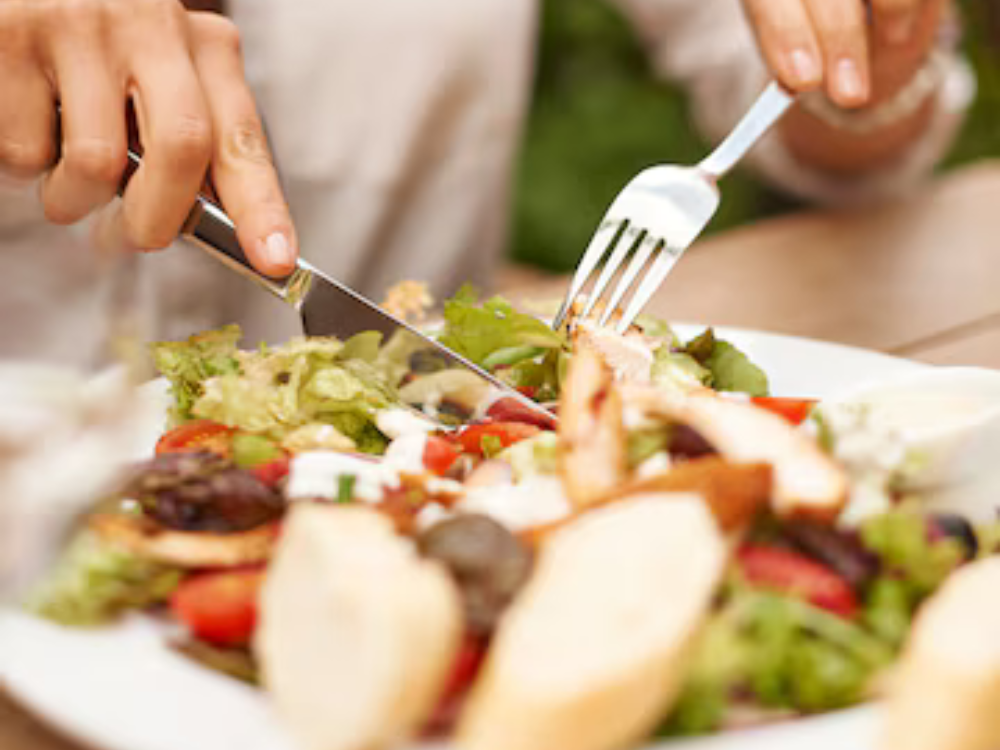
{"points": [[686, 442], [842, 552], [957, 528], [200, 491], [488, 562]]}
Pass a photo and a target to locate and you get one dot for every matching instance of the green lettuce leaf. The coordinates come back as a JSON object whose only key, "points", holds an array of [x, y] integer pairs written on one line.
{"points": [[478, 330], [188, 364], [709, 361], [94, 582], [733, 371]]}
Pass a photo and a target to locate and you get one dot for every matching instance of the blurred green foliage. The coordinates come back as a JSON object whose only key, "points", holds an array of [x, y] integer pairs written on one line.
{"points": [[599, 116]]}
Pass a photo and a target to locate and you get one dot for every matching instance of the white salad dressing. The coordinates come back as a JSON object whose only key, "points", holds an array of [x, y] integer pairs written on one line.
{"points": [[934, 433], [537, 501], [317, 474], [395, 423], [405, 455]]}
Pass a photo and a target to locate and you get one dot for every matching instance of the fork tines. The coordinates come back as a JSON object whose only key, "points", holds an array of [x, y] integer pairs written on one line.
{"points": [[628, 249]]}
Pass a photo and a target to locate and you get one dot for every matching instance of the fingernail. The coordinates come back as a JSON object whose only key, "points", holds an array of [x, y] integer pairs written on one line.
{"points": [[276, 250], [804, 66], [848, 82]]}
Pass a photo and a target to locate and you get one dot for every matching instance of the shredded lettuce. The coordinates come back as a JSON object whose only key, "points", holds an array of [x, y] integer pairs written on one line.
{"points": [[478, 330], [188, 364], [94, 582], [276, 391]]}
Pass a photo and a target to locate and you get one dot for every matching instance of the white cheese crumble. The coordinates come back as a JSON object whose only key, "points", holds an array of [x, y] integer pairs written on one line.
{"points": [[537, 501]]}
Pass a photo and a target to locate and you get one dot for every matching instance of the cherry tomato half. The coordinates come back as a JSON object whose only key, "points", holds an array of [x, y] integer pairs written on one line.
{"points": [[506, 433], [795, 410], [439, 454], [199, 435], [219, 607]]}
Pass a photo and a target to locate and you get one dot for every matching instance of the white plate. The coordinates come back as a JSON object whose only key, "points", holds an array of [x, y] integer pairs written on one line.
{"points": [[121, 688]]}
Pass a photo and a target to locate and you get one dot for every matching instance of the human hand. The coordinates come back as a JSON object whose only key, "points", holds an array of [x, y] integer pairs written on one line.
{"points": [[195, 115], [860, 51]]}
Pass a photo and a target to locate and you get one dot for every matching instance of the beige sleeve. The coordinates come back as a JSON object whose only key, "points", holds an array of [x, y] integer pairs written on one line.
{"points": [[394, 124], [708, 47]]}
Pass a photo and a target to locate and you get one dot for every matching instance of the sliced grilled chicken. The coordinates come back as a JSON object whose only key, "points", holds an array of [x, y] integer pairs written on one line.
{"points": [[186, 549], [592, 458], [806, 481], [946, 692], [357, 633], [735, 493], [593, 652], [630, 357]]}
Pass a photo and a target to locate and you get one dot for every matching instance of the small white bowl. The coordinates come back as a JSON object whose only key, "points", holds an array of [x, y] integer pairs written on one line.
{"points": [[947, 420]]}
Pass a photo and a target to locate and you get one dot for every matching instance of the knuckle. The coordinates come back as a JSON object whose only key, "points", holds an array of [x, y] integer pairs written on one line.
{"points": [[245, 143], [25, 158], [220, 31], [188, 142], [95, 160]]}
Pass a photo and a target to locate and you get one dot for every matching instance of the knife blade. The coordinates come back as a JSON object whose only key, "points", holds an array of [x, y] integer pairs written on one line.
{"points": [[329, 308]]}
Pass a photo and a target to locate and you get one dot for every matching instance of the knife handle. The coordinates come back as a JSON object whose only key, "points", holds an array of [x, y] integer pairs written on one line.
{"points": [[209, 228]]}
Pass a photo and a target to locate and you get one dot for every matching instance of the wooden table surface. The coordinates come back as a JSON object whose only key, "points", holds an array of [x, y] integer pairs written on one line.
{"points": [[919, 279]]}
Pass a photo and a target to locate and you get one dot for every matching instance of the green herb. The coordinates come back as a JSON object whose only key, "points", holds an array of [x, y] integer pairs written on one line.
{"points": [[492, 445], [345, 488]]}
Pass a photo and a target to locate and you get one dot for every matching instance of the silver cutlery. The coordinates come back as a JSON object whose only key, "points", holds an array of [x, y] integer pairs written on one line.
{"points": [[656, 217]]}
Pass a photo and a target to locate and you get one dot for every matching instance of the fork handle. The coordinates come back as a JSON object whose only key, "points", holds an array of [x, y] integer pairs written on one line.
{"points": [[773, 102]]}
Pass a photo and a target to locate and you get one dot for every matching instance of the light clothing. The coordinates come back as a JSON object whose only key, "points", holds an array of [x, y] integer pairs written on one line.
{"points": [[395, 124]]}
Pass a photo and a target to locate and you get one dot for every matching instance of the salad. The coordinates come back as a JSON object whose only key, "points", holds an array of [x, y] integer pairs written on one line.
{"points": [[300, 475]]}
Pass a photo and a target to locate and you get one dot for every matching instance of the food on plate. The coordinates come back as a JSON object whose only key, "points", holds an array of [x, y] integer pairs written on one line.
{"points": [[947, 688], [565, 672], [385, 575], [357, 631], [592, 451], [807, 481]]}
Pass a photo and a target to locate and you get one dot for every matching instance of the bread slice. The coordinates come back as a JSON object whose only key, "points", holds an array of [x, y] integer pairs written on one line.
{"points": [[807, 482], [357, 634], [593, 652], [946, 692], [185, 549]]}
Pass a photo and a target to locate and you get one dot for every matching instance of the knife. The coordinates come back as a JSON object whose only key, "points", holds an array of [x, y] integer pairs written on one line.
{"points": [[328, 307]]}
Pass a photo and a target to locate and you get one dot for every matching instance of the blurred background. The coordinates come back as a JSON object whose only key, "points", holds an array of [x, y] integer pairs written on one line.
{"points": [[598, 107]]}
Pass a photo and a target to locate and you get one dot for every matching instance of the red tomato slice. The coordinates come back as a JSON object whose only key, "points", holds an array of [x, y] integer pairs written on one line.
{"points": [[219, 607], [509, 409], [795, 410], [439, 454], [507, 433], [199, 435], [272, 472], [797, 575]]}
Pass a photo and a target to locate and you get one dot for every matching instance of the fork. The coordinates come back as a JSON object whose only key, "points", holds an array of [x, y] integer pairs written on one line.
{"points": [[658, 215]]}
